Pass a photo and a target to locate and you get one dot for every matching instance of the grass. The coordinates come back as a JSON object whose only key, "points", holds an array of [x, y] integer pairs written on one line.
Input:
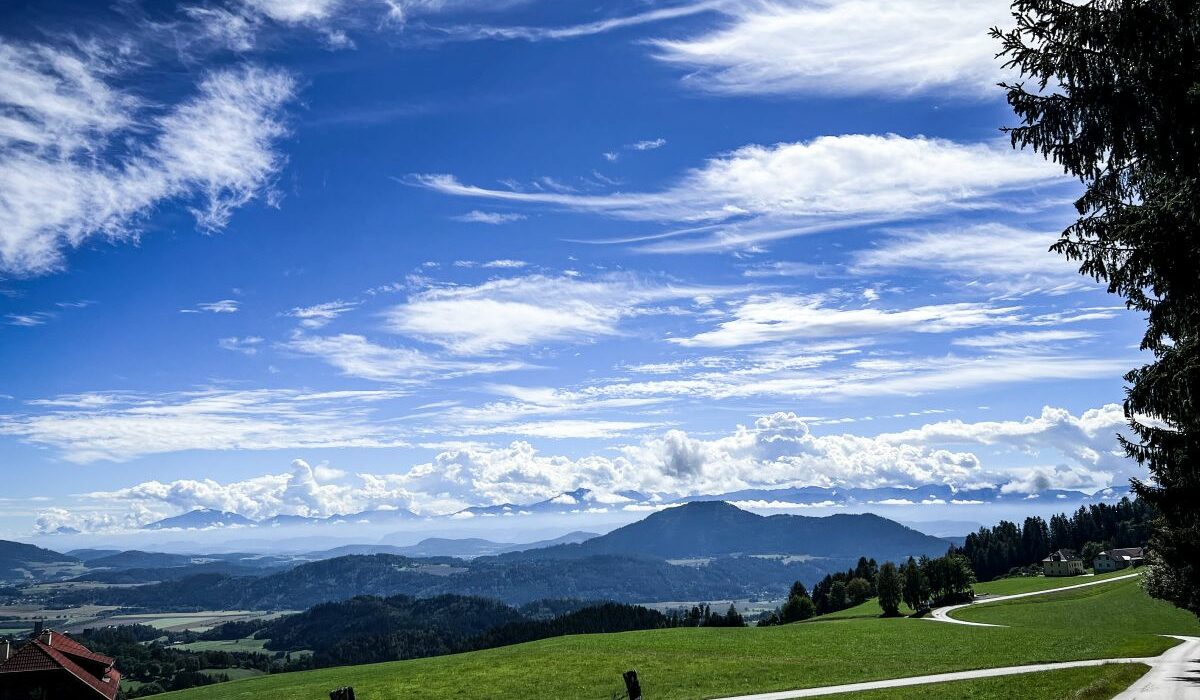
{"points": [[1119, 609], [247, 644], [234, 674], [1007, 586], [1029, 584], [679, 664], [1094, 683]]}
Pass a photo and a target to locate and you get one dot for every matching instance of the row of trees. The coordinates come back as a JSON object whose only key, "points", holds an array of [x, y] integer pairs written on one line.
{"points": [[918, 584], [1000, 550], [845, 589]]}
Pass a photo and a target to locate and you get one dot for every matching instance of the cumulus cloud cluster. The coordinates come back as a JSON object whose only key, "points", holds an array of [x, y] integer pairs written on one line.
{"points": [[777, 450]]}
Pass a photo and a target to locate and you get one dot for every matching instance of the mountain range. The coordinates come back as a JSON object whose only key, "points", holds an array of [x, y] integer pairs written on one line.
{"points": [[587, 500], [708, 529]]}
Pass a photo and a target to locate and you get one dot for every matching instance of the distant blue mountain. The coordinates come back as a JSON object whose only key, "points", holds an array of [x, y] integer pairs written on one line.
{"points": [[718, 529], [200, 519]]}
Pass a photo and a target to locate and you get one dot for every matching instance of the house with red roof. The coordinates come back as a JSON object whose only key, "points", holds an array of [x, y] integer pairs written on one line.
{"points": [[52, 666]]}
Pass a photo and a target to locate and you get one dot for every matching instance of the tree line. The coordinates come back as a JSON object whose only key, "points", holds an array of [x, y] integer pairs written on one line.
{"points": [[1010, 549], [920, 584]]}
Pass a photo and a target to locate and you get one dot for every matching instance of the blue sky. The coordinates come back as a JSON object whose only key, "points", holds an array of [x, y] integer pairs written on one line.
{"points": [[320, 256]]}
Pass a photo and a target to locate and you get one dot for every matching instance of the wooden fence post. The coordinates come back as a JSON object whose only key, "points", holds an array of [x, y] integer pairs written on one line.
{"points": [[633, 689]]}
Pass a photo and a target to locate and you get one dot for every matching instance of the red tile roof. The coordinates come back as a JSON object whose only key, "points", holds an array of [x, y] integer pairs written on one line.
{"points": [[70, 647], [39, 656]]}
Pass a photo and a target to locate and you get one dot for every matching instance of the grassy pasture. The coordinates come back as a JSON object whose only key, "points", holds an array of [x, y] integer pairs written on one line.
{"points": [[1029, 584], [679, 664], [1096, 683]]}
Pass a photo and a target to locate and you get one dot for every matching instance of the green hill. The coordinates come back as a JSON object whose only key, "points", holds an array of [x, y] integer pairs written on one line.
{"points": [[679, 664]]}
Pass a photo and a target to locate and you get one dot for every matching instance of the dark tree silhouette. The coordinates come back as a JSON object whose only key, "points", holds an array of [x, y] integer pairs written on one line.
{"points": [[890, 589], [1113, 95]]}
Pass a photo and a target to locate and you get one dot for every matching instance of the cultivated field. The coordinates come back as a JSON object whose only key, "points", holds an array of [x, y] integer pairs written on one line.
{"points": [[193, 621], [1109, 621]]}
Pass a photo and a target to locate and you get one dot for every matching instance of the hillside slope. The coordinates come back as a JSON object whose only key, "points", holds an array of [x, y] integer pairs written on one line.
{"points": [[25, 562], [685, 664]]}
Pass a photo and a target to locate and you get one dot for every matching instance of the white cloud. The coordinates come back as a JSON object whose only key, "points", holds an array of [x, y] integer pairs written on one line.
{"points": [[809, 374], [489, 217], [224, 306], [223, 27], [894, 48], [1089, 438], [37, 318], [648, 145], [303, 491], [296, 11], [776, 451], [522, 311], [247, 346], [762, 319], [761, 193], [59, 188], [124, 426], [998, 258], [1011, 341], [564, 429], [523, 33], [320, 315], [505, 264], [356, 356]]}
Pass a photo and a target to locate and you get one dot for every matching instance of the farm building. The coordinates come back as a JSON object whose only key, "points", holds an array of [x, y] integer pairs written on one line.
{"points": [[52, 666], [1064, 562], [1114, 559]]}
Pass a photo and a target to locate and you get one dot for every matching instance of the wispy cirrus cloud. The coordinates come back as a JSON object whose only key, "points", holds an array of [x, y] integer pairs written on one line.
{"points": [[248, 345], [777, 317], [356, 356], [320, 315], [479, 32], [126, 425], [893, 48], [761, 193], [994, 258], [82, 160], [513, 312], [223, 306], [489, 217]]}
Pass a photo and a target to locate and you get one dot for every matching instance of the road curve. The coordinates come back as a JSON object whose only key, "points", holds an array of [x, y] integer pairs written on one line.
{"points": [[1174, 675], [943, 614]]}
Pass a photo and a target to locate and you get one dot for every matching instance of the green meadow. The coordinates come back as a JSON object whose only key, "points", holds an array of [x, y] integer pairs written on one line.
{"points": [[1108, 621]]}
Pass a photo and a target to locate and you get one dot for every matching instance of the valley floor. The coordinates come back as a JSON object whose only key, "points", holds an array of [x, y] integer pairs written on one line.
{"points": [[1115, 620]]}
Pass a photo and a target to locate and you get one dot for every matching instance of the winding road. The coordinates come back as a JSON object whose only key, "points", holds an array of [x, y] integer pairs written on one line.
{"points": [[1173, 675], [943, 614]]}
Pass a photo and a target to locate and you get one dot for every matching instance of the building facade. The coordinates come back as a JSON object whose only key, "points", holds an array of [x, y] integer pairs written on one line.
{"points": [[1064, 562], [1117, 559]]}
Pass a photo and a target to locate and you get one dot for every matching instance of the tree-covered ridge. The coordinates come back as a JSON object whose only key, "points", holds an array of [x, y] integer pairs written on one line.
{"points": [[602, 577]]}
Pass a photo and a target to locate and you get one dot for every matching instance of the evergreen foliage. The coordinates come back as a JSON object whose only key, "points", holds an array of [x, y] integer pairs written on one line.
{"points": [[1111, 92]]}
